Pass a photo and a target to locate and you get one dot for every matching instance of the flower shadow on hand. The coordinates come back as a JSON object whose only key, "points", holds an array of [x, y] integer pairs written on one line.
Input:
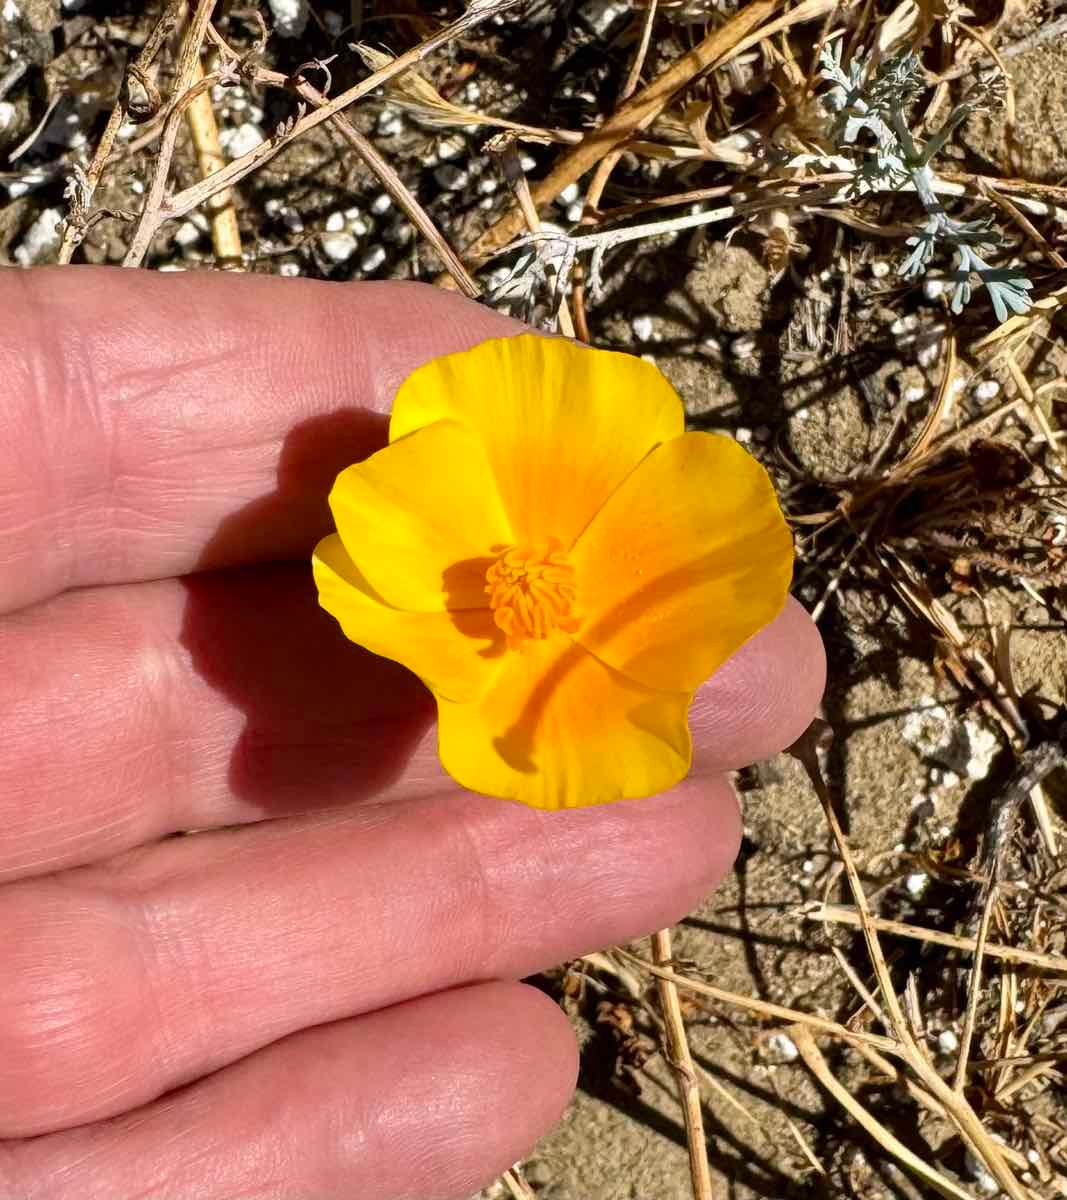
{"points": [[326, 722]]}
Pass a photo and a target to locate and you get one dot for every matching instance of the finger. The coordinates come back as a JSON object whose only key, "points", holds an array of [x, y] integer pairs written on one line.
{"points": [[126, 980], [430, 1099], [153, 423], [232, 697]]}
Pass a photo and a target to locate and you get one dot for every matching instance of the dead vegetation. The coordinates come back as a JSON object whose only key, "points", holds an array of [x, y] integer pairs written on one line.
{"points": [[868, 164]]}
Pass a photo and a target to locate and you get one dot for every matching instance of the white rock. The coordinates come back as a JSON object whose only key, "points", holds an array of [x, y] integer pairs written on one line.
{"points": [[527, 162], [289, 269], [339, 246], [947, 1042], [41, 239], [569, 194], [783, 1046], [487, 185], [290, 16], [933, 288], [187, 234], [602, 14], [914, 393], [389, 123], [381, 204], [929, 354], [574, 212], [880, 268], [73, 6], [916, 884], [451, 177], [743, 435], [240, 139], [450, 148], [642, 327], [274, 206], [335, 222], [293, 221], [988, 389], [10, 11], [8, 113], [372, 259], [137, 187], [905, 324], [984, 748], [743, 346], [170, 267]]}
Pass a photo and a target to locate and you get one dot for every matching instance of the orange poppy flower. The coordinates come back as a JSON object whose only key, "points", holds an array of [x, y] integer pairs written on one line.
{"points": [[544, 545]]}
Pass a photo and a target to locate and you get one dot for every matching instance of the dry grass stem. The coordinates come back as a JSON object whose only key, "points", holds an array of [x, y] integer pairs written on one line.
{"points": [[681, 1062], [204, 130]]}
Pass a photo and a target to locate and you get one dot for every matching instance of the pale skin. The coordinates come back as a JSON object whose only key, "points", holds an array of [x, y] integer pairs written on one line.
{"points": [[316, 996]]}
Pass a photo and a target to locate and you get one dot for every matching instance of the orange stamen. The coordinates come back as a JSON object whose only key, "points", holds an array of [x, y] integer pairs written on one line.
{"points": [[531, 592]]}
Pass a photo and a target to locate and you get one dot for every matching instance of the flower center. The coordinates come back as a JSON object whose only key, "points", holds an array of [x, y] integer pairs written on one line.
{"points": [[531, 591]]}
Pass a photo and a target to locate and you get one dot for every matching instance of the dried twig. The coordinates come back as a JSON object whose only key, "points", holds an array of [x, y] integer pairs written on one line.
{"points": [[677, 1047], [204, 130]]}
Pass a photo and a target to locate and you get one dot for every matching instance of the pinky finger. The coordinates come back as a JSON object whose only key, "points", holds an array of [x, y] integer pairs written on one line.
{"points": [[425, 1101]]}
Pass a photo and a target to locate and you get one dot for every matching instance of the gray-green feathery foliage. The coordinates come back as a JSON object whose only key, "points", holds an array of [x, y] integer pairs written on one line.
{"points": [[879, 106]]}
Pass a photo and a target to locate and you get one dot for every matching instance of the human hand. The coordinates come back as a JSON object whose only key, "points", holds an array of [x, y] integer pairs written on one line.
{"points": [[315, 995]]}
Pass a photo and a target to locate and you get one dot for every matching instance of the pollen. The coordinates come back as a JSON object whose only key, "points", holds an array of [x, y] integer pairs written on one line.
{"points": [[532, 592]]}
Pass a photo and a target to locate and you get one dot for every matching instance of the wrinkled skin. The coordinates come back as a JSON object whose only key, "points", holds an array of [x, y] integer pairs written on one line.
{"points": [[316, 995]]}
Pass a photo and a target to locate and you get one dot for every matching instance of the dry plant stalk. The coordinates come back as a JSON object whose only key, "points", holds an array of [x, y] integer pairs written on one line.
{"points": [[204, 130], [681, 1061]]}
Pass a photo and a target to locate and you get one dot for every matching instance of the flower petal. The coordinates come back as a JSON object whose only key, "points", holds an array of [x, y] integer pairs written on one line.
{"points": [[562, 425], [419, 519], [687, 560], [558, 729], [455, 654]]}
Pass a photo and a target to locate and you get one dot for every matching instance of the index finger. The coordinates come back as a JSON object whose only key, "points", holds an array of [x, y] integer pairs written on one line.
{"points": [[143, 412]]}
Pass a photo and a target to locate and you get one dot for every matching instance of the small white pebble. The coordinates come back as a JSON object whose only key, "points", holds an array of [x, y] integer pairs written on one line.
{"points": [[450, 148], [899, 848], [487, 185], [360, 226], [472, 92], [947, 1042], [289, 269], [880, 268], [929, 354], [274, 206], [137, 187], [451, 177], [642, 327], [914, 393], [569, 194], [933, 288], [949, 779], [399, 232], [381, 204], [339, 246], [293, 221], [649, 358], [988, 389], [783, 1046], [187, 234], [10, 11], [917, 883], [290, 17], [8, 113], [1033, 1157], [486, 202], [41, 238], [372, 259], [389, 123], [743, 346], [905, 324], [807, 866], [527, 162], [240, 140], [170, 267], [742, 435], [574, 212], [335, 222], [1020, 1007]]}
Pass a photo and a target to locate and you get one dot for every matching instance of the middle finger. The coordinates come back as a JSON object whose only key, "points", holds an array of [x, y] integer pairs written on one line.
{"points": [[133, 977]]}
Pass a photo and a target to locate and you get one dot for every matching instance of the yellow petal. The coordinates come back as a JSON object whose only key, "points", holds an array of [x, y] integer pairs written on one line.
{"points": [[558, 729], [686, 561], [455, 654], [562, 425], [421, 517]]}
